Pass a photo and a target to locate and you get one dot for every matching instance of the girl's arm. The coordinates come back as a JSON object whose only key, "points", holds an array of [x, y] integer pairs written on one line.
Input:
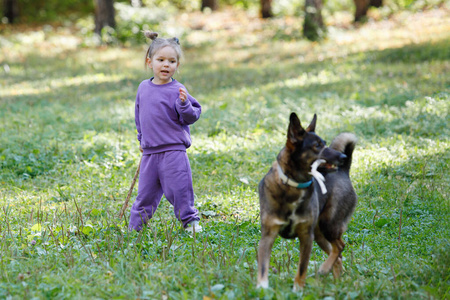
{"points": [[136, 119], [188, 108]]}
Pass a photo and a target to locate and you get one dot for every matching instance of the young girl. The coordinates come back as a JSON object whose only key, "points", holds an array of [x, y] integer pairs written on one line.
{"points": [[163, 112]]}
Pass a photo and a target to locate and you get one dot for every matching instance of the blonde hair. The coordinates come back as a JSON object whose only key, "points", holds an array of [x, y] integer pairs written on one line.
{"points": [[159, 43]]}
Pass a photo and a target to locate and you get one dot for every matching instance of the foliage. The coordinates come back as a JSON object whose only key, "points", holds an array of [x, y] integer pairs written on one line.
{"points": [[42, 11], [131, 21], [68, 153], [182, 5]]}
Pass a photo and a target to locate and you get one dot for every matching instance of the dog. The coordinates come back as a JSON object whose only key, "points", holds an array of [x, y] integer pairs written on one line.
{"points": [[293, 204]]}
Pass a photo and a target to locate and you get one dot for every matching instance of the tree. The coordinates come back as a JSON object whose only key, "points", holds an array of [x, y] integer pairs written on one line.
{"points": [[11, 10], [104, 15], [313, 26], [266, 9], [362, 6], [212, 4]]}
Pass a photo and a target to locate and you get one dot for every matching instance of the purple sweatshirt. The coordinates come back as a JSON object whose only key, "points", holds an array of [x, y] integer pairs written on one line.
{"points": [[162, 119]]}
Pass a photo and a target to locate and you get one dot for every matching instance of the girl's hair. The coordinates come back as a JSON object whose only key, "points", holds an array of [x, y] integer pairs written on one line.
{"points": [[159, 43]]}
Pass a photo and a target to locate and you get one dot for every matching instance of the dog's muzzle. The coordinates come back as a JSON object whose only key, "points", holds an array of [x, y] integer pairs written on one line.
{"points": [[332, 158]]}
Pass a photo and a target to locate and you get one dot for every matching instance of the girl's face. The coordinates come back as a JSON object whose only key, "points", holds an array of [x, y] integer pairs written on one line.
{"points": [[164, 64]]}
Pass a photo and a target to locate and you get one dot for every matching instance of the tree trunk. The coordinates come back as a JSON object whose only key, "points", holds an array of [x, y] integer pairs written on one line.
{"points": [[104, 15], [313, 27], [266, 9], [376, 3], [362, 6], [11, 10], [212, 4]]}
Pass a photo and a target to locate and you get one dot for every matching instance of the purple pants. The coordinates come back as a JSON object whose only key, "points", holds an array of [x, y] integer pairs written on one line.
{"points": [[167, 173]]}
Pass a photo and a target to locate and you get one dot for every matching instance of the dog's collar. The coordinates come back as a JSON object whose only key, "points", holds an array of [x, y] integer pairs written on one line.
{"points": [[290, 182]]}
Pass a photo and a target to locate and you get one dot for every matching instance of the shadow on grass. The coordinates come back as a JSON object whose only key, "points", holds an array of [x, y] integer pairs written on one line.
{"points": [[414, 53]]}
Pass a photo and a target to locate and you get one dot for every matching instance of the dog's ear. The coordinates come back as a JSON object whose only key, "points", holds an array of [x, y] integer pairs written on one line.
{"points": [[312, 125], [295, 131]]}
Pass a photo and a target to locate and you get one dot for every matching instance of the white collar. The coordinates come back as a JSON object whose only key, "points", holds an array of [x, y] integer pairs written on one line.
{"points": [[290, 182], [303, 185]]}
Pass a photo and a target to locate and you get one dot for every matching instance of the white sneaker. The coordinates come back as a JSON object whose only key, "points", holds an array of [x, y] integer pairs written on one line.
{"points": [[194, 225]]}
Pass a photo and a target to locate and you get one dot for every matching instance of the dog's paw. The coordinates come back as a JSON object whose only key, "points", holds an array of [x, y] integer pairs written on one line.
{"points": [[297, 288], [263, 284], [299, 283], [324, 270]]}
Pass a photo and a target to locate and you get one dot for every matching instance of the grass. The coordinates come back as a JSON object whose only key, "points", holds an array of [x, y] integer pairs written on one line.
{"points": [[68, 154]]}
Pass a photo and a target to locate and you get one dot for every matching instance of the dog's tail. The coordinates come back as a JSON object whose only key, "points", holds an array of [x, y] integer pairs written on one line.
{"points": [[345, 143]]}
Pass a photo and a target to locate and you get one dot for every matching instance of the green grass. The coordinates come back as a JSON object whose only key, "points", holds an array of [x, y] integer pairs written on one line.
{"points": [[68, 153]]}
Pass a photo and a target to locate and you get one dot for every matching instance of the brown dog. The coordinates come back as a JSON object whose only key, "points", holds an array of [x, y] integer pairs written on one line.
{"points": [[292, 203]]}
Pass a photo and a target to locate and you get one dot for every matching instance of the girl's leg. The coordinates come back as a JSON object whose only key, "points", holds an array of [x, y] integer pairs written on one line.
{"points": [[176, 181], [149, 193]]}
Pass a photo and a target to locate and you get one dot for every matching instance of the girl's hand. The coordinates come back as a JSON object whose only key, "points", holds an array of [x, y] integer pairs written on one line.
{"points": [[183, 95], [142, 150]]}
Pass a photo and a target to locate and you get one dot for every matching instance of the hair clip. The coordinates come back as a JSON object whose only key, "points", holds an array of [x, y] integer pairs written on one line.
{"points": [[176, 40]]}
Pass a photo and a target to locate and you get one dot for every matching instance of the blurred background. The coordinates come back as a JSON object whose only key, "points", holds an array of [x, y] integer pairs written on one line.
{"points": [[120, 22]]}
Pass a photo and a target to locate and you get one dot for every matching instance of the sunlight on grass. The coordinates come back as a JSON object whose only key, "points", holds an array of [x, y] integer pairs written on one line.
{"points": [[394, 152], [47, 85], [323, 77]]}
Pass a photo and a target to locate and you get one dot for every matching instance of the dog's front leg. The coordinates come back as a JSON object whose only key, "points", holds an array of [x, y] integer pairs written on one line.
{"points": [[306, 237], [268, 235]]}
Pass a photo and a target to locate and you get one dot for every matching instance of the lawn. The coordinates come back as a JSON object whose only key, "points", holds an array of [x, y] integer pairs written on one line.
{"points": [[68, 154]]}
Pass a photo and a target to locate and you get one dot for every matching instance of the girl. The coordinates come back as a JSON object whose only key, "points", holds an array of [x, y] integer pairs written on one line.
{"points": [[163, 112]]}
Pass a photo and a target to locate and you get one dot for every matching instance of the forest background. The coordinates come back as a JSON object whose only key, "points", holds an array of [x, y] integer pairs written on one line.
{"points": [[68, 149]]}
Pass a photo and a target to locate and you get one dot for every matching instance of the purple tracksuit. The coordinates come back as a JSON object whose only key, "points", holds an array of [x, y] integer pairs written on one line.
{"points": [[162, 122]]}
